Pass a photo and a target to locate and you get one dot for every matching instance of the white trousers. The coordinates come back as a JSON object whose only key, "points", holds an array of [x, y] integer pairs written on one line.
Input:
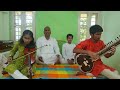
{"points": [[49, 59], [111, 75], [108, 73]]}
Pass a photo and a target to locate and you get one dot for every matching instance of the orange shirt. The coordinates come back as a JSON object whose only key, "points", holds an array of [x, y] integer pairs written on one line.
{"points": [[91, 46], [94, 47]]}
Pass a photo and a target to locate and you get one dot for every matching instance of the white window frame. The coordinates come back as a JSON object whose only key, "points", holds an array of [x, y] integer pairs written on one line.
{"points": [[89, 13], [13, 37]]}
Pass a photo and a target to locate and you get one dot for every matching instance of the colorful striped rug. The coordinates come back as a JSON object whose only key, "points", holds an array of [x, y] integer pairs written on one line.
{"points": [[55, 72]]}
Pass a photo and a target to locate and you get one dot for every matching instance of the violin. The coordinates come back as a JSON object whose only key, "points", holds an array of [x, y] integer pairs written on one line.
{"points": [[30, 58], [32, 55]]}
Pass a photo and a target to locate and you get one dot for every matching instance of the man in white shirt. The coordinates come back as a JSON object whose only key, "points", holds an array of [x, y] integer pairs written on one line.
{"points": [[67, 50], [48, 52]]}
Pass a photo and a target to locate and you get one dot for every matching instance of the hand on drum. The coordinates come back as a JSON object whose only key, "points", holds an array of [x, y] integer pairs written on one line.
{"points": [[70, 61]]}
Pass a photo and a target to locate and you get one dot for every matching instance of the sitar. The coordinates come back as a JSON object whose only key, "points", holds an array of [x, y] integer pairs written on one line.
{"points": [[85, 62]]}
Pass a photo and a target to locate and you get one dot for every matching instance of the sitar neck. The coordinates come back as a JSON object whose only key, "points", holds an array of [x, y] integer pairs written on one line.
{"points": [[107, 48]]}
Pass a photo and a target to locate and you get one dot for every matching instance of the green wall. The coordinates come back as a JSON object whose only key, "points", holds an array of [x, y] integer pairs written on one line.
{"points": [[60, 22], [111, 25], [1, 36], [4, 25]]}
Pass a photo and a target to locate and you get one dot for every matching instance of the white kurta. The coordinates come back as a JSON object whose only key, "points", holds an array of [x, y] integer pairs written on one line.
{"points": [[67, 51], [48, 49]]}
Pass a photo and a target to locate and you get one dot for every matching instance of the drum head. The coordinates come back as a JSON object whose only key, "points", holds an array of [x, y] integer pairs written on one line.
{"points": [[85, 63]]}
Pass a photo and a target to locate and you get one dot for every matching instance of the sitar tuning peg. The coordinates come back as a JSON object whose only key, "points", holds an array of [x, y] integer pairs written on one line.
{"points": [[108, 43], [111, 41]]}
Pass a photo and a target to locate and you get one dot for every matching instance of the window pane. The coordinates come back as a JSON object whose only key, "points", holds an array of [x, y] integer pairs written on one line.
{"points": [[17, 13], [20, 29], [20, 25], [17, 33], [28, 21], [83, 19], [92, 23], [86, 20], [28, 13], [20, 33], [17, 17], [83, 15], [83, 26], [92, 19], [28, 24], [93, 16], [83, 34], [28, 17], [29, 28], [17, 37], [81, 23], [18, 21], [16, 29]]}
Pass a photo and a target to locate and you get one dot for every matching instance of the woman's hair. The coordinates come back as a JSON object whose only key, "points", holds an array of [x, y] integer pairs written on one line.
{"points": [[32, 43]]}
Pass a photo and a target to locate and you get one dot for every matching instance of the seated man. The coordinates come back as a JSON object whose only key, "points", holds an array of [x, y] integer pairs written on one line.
{"points": [[48, 50], [91, 47], [67, 50]]}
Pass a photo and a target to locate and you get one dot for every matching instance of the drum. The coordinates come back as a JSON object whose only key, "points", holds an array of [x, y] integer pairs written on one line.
{"points": [[85, 62]]}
